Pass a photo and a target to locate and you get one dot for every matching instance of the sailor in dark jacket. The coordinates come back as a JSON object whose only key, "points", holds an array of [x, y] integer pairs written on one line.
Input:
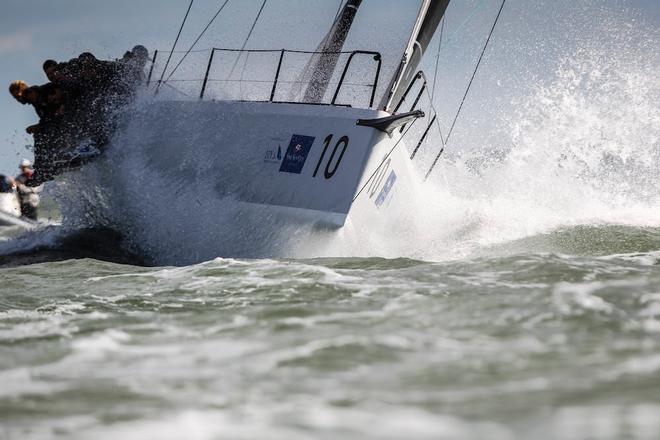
{"points": [[50, 137], [78, 105]]}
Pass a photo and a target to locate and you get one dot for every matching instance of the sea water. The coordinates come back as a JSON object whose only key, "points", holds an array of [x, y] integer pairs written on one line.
{"points": [[531, 345]]}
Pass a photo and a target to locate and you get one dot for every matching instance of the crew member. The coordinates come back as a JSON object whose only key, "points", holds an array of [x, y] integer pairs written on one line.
{"points": [[28, 195], [50, 135], [47, 100], [135, 62], [80, 103], [51, 69]]}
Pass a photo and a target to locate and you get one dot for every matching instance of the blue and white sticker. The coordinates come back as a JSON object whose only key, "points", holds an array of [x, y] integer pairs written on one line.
{"points": [[296, 154], [387, 188]]}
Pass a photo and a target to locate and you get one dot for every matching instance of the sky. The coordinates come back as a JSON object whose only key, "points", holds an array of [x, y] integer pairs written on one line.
{"points": [[530, 41]]}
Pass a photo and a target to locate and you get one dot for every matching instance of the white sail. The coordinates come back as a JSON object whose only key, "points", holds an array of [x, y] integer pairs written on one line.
{"points": [[321, 68], [324, 64], [353, 26]]}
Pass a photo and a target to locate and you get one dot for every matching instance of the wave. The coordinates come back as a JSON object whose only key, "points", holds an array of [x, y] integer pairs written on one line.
{"points": [[582, 148], [60, 244], [587, 241]]}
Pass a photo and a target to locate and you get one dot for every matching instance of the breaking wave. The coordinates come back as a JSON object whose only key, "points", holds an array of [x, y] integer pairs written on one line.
{"points": [[582, 149], [578, 157], [60, 244]]}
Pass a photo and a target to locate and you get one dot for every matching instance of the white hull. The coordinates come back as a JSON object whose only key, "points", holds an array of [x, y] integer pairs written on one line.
{"points": [[10, 212], [9, 204], [209, 181]]}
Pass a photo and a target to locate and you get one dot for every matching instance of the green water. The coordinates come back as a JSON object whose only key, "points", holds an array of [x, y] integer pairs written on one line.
{"points": [[507, 345]]}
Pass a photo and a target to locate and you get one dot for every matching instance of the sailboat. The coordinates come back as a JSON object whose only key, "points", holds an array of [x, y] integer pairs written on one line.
{"points": [[243, 177]]}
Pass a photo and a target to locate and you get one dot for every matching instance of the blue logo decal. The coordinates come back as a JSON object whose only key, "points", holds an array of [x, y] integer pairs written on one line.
{"points": [[296, 154], [389, 184]]}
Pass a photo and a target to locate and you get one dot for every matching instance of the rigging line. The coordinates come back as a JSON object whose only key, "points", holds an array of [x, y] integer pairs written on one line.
{"points": [[176, 40], [387, 156], [341, 3], [183, 51], [254, 24], [435, 162], [467, 90], [197, 39], [177, 90], [240, 82], [435, 113], [476, 69], [460, 27], [437, 59], [436, 119]]}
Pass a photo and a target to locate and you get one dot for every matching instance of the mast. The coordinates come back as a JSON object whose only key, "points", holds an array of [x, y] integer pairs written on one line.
{"points": [[333, 43], [428, 20]]}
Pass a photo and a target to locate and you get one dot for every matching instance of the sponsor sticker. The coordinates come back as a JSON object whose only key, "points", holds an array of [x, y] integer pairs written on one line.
{"points": [[387, 188], [273, 156], [296, 154]]}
